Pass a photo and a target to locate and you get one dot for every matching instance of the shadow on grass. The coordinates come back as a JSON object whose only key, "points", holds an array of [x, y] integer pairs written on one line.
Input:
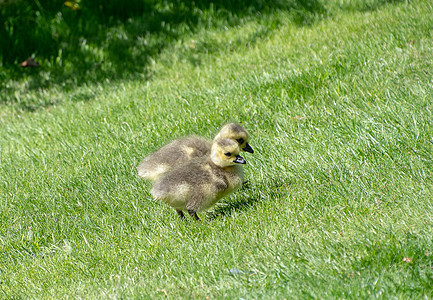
{"points": [[79, 42], [82, 42], [275, 188]]}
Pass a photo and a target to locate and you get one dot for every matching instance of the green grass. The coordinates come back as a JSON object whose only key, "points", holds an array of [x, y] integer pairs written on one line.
{"points": [[109, 39], [340, 185]]}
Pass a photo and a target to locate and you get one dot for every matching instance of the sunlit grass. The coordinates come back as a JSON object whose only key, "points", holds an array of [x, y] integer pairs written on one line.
{"points": [[338, 203]]}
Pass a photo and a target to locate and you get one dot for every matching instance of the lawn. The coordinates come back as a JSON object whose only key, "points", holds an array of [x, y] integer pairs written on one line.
{"points": [[338, 103]]}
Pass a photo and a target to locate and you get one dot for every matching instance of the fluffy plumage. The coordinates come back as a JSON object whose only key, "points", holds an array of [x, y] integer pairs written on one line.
{"points": [[237, 133], [171, 155], [198, 184], [181, 150]]}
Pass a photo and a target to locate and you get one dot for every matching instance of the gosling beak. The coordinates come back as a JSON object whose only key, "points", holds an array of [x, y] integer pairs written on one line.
{"points": [[248, 148], [240, 160]]}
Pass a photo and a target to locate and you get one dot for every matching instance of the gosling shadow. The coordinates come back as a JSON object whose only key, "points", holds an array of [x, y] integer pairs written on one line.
{"points": [[249, 195]]}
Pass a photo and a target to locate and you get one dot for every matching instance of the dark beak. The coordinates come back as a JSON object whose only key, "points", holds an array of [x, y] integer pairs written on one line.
{"points": [[248, 148], [240, 160]]}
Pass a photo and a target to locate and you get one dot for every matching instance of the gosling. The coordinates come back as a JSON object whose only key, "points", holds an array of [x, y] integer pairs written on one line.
{"points": [[182, 150], [198, 184]]}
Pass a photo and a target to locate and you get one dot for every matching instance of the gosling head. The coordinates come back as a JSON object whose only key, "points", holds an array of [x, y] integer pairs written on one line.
{"points": [[225, 153], [238, 133]]}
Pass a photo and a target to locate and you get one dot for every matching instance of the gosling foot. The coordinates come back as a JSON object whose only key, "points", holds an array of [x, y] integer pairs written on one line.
{"points": [[193, 214], [180, 213]]}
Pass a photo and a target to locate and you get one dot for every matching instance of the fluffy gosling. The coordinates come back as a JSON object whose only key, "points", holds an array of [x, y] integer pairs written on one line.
{"points": [[198, 184], [182, 150]]}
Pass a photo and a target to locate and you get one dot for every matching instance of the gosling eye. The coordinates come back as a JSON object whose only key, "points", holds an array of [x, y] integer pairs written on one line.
{"points": [[240, 141], [228, 154]]}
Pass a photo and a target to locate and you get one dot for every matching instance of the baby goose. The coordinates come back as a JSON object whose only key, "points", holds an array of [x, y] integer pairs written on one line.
{"points": [[179, 151], [198, 184]]}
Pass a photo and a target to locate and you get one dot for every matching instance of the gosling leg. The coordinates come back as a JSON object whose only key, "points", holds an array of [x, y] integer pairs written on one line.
{"points": [[180, 213], [193, 214]]}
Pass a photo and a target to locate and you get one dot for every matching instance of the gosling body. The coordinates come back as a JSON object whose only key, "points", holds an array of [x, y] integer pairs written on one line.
{"points": [[171, 155], [182, 150], [198, 184]]}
